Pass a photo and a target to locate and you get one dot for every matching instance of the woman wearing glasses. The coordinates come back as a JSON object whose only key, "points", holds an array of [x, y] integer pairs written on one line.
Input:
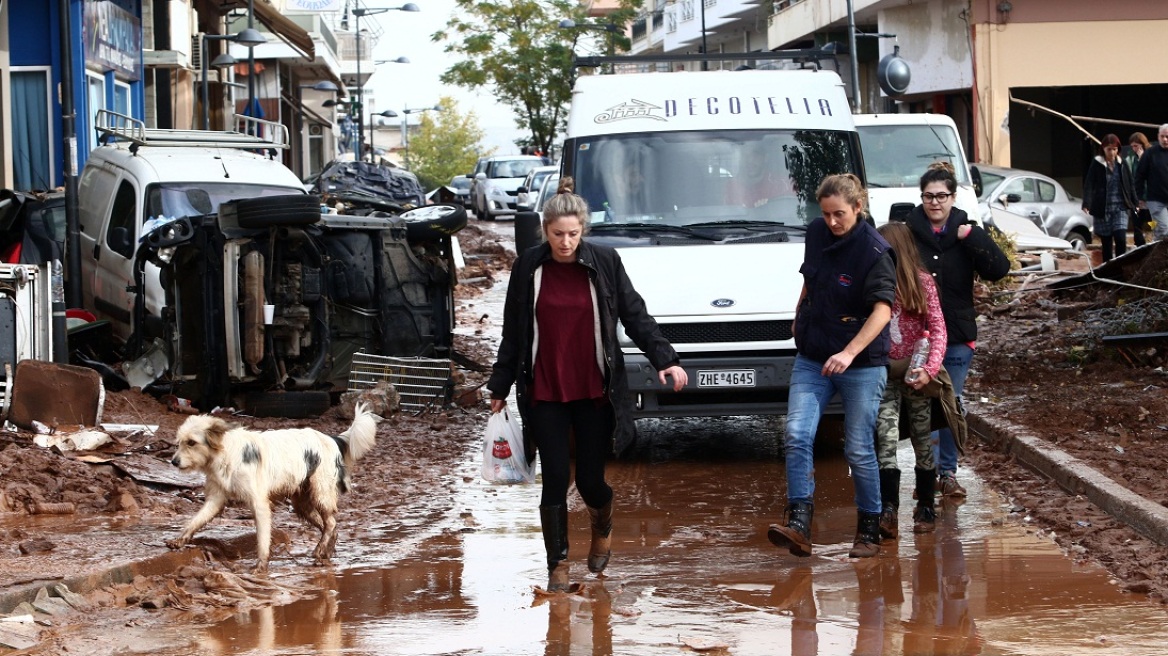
{"points": [[953, 249]]}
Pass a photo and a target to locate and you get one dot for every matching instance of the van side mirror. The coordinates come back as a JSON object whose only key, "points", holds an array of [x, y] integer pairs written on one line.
{"points": [[900, 212], [976, 175]]}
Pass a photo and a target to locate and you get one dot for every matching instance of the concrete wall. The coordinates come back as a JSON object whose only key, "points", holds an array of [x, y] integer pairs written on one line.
{"points": [[1063, 54]]}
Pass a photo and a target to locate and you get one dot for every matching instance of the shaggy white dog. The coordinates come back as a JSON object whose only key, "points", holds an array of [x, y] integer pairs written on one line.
{"points": [[257, 467]]}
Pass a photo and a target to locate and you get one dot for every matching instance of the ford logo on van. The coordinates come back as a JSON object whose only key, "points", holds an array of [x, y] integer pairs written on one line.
{"points": [[722, 302]]}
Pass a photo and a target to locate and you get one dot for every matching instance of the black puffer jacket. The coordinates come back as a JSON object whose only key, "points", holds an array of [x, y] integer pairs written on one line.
{"points": [[953, 263], [618, 301], [1095, 187]]}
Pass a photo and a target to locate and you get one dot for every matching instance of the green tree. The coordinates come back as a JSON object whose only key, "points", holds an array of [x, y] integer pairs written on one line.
{"points": [[448, 143], [517, 49]]}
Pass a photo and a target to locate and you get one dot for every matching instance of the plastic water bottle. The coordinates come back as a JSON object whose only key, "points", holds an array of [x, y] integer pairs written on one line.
{"points": [[919, 357]]}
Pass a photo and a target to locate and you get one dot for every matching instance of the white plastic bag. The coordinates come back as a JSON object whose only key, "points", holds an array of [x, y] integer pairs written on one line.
{"points": [[504, 460]]}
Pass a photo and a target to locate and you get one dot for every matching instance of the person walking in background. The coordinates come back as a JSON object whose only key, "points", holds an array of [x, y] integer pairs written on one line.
{"points": [[1151, 182], [916, 311], [841, 333], [1138, 143], [559, 348], [1108, 196], [954, 250]]}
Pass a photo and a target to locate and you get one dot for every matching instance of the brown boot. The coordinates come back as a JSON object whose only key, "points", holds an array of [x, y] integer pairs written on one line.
{"points": [[867, 542], [558, 578], [601, 549], [796, 535]]}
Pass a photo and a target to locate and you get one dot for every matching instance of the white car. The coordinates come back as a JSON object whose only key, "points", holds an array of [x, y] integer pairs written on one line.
{"points": [[496, 187], [529, 190], [1037, 197]]}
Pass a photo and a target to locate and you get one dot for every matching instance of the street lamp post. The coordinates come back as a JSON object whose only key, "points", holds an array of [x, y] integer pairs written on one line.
{"points": [[358, 12], [406, 128], [224, 59], [389, 113], [612, 29]]}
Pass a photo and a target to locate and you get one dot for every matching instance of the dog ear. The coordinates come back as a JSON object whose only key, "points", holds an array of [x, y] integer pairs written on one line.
{"points": [[214, 433]]}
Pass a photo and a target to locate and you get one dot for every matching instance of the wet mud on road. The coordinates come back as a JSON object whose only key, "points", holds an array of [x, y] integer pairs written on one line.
{"points": [[440, 562]]}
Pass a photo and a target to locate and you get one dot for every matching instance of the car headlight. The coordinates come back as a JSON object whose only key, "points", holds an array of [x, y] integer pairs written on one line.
{"points": [[495, 193]]}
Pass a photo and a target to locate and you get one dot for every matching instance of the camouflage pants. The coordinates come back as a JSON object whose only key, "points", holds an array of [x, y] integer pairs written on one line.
{"points": [[919, 416]]}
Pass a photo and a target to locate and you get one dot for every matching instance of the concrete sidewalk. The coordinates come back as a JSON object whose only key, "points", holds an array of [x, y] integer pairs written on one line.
{"points": [[1146, 517]]}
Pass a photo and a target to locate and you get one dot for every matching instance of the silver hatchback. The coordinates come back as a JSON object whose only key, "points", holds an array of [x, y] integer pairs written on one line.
{"points": [[1034, 196]]}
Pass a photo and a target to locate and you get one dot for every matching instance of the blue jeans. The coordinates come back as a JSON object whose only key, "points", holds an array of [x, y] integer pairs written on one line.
{"points": [[1159, 212], [957, 360], [860, 389]]}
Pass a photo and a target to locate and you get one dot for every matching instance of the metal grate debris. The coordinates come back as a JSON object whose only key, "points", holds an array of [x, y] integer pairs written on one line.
{"points": [[422, 383]]}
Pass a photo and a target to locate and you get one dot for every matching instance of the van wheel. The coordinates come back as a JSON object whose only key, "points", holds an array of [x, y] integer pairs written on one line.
{"points": [[432, 222], [291, 404], [292, 209]]}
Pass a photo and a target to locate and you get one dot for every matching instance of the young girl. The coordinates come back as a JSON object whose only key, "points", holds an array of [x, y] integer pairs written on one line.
{"points": [[917, 308]]}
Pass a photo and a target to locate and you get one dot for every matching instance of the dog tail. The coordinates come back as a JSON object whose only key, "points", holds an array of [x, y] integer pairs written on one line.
{"points": [[361, 434]]}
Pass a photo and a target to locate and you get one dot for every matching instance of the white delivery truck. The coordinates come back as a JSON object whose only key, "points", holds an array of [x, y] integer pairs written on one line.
{"points": [[705, 182], [898, 149]]}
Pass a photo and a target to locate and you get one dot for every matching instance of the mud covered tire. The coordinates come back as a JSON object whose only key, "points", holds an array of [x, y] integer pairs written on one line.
{"points": [[289, 210], [432, 222], [292, 405]]}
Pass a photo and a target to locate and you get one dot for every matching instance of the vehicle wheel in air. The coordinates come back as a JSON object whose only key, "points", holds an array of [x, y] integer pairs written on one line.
{"points": [[299, 404], [1079, 239], [292, 209], [432, 222]]}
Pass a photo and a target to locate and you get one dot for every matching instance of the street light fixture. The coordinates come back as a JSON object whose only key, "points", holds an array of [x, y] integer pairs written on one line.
{"points": [[406, 128], [358, 12], [224, 59], [612, 29], [389, 113]]}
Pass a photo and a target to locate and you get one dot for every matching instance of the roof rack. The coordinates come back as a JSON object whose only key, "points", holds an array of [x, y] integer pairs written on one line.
{"points": [[250, 132]]}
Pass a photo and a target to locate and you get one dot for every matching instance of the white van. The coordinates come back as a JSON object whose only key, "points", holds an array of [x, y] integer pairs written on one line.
{"points": [[898, 149], [705, 182], [145, 174]]}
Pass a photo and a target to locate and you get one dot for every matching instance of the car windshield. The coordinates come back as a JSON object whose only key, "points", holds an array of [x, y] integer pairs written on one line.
{"points": [[460, 182], [897, 155], [707, 177], [512, 168], [989, 182], [178, 199]]}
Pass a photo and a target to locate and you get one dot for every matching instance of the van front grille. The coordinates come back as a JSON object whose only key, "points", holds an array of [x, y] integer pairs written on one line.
{"points": [[741, 331]]}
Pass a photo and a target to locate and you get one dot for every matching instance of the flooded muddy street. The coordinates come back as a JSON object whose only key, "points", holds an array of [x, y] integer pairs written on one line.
{"points": [[433, 560]]}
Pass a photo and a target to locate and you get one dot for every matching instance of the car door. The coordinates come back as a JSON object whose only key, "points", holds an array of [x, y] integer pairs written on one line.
{"points": [[112, 255], [1031, 191]]}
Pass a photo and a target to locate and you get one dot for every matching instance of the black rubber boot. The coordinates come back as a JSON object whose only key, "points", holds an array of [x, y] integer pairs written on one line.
{"points": [[601, 549], [925, 515], [554, 521], [796, 534], [867, 542], [890, 502]]}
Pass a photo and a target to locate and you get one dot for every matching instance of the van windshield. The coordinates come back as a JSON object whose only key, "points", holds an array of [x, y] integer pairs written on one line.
{"points": [[707, 177], [179, 199], [897, 155]]}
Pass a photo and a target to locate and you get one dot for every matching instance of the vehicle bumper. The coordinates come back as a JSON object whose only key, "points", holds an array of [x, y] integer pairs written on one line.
{"points": [[768, 396]]}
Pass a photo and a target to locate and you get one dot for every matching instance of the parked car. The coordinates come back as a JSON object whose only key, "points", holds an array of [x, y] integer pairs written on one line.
{"points": [[494, 191], [461, 186], [528, 192], [1035, 196]]}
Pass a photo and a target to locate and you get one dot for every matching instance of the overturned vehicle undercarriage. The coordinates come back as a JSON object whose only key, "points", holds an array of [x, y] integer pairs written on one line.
{"points": [[269, 302]]}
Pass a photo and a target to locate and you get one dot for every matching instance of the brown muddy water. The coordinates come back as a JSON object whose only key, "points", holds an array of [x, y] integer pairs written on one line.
{"points": [[692, 571]]}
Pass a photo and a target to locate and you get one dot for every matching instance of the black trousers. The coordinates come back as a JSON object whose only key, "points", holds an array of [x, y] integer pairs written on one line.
{"points": [[552, 425]]}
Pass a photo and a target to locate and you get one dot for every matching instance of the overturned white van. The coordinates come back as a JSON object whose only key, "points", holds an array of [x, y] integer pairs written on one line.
{"points": [[705, 182]]}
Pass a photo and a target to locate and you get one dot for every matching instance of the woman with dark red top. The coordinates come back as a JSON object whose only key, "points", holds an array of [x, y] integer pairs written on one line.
{"points": [[560, 350]]}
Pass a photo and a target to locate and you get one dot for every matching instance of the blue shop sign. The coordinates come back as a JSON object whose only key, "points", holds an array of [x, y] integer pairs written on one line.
{"points": [[113, 38]]}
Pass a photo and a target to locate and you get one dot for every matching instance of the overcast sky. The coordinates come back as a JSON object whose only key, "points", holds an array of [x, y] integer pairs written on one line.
{"points": [[398, 86]]}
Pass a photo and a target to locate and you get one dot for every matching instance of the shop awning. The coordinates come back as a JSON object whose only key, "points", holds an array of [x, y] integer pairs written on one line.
{"points": [[288, 31]]}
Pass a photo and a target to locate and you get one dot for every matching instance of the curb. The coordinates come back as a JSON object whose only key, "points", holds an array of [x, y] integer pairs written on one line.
{"points": [[13, 596], [1146, 517]]}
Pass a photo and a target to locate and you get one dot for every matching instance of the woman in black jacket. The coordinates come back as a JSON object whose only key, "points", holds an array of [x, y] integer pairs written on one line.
{"points": [[1109, 196], [560, 350], [954, 250]]}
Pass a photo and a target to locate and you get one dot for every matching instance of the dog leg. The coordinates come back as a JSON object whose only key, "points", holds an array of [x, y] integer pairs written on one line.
{"points": [[210, 509], [262, 509]]}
